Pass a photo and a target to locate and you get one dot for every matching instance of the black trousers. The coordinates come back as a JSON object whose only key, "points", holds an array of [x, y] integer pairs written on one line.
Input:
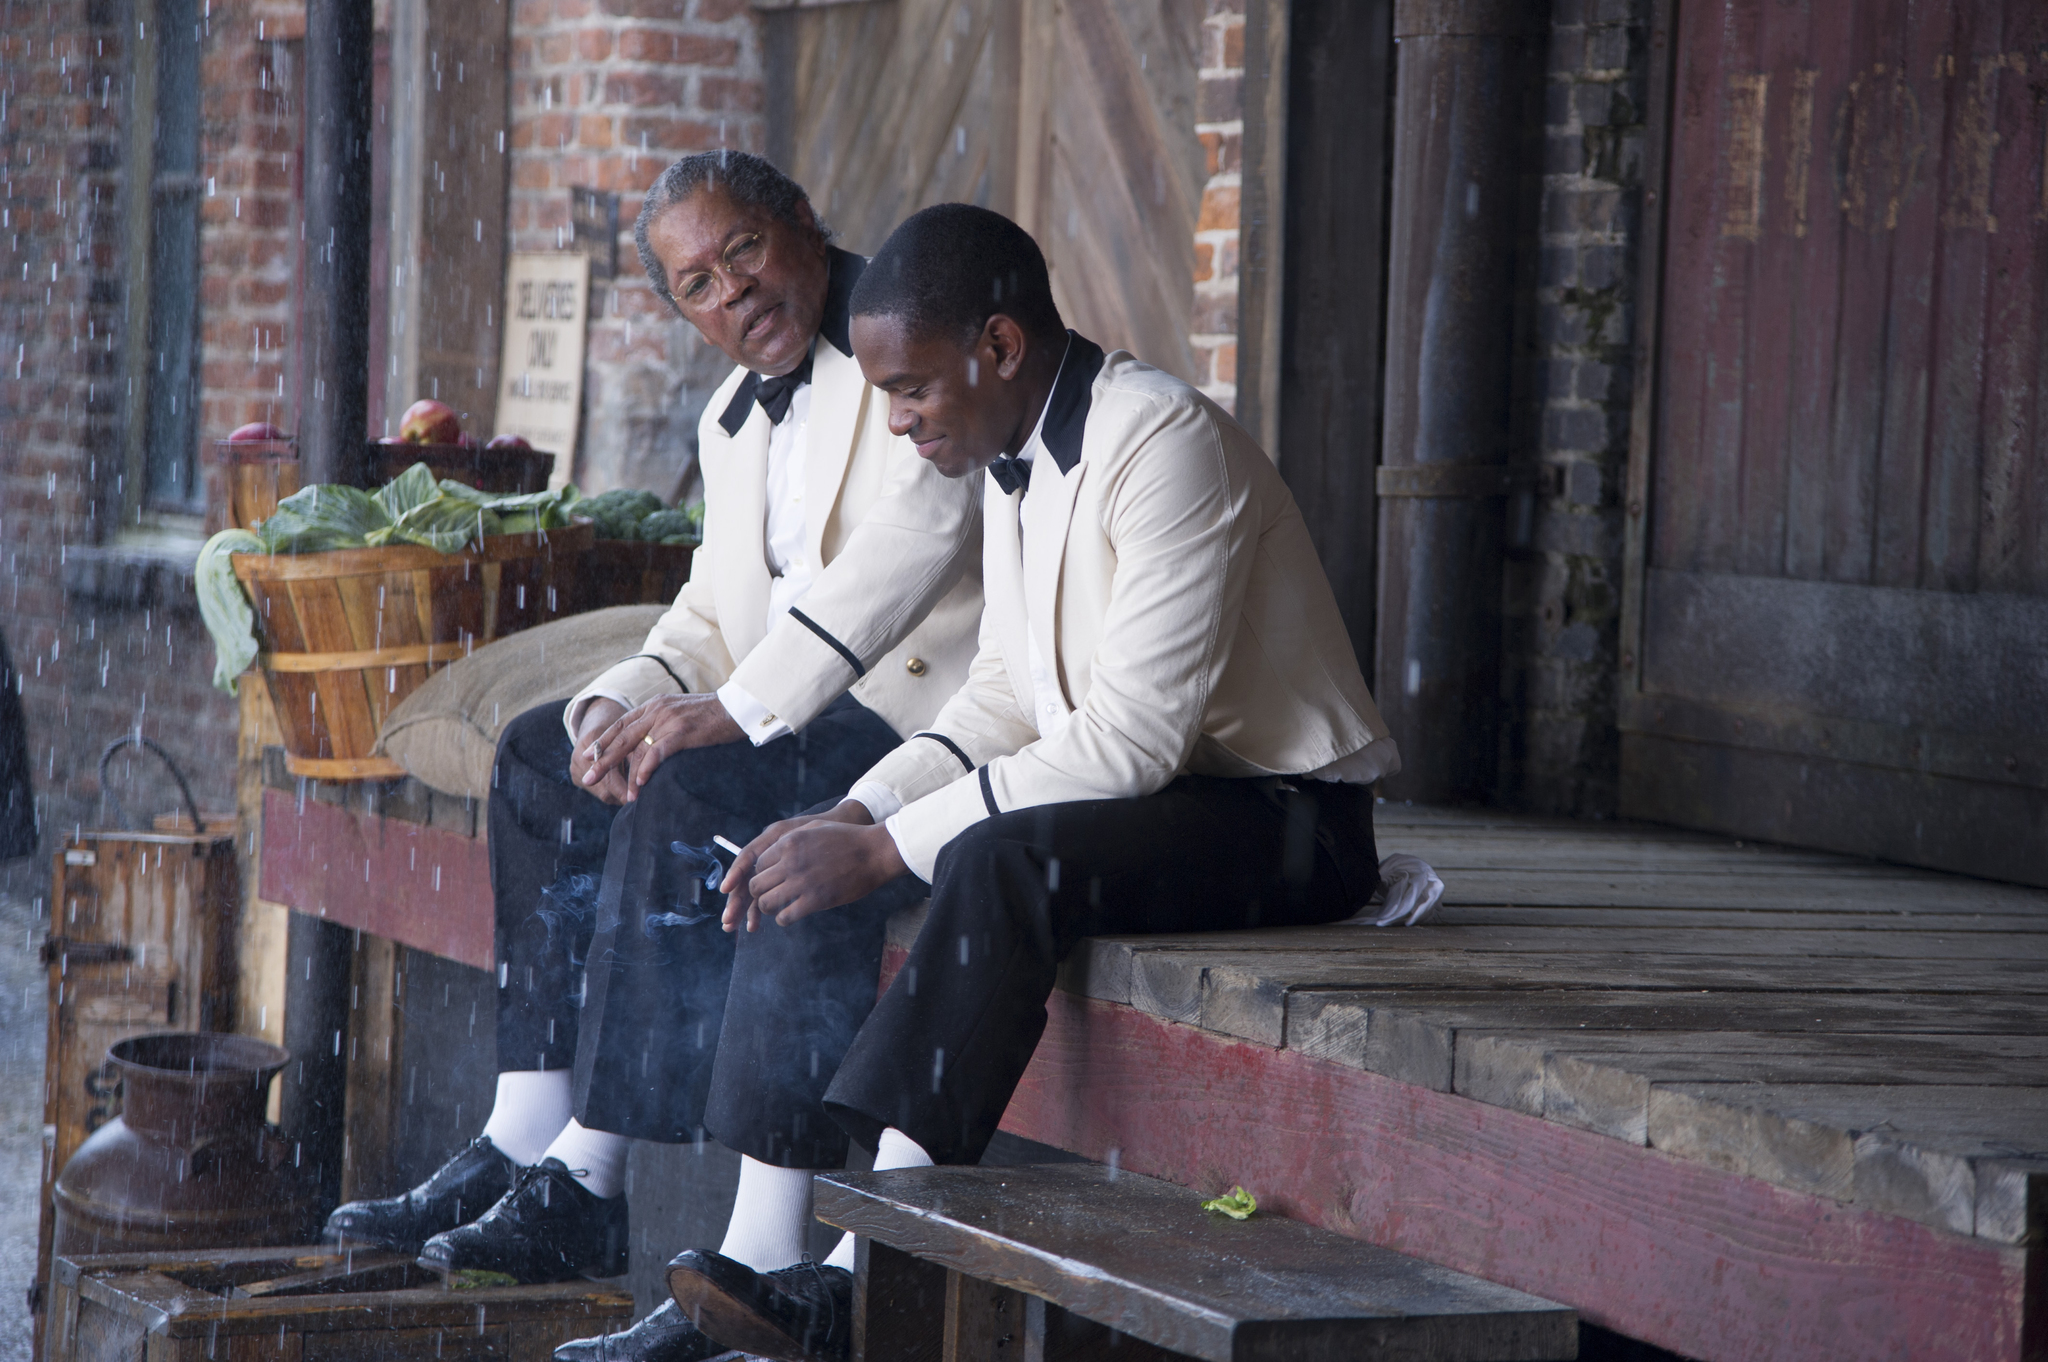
{"points": [[944, 1049], [611, 960]]}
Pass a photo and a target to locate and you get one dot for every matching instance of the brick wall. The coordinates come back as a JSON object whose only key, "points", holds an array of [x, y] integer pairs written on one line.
{"points": [[106, 638], [1564, 582], [250, 220], [605, 95], [1220, 125]]}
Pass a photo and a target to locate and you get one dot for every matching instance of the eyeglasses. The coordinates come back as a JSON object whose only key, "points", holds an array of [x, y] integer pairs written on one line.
{"points": [[744, 256]]}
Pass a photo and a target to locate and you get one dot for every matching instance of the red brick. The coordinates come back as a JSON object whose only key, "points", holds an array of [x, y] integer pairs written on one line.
{"points": [[556, 48], [594, 130], [717, 11], [727, 94], [1203, 260], [645, 89], [1219, 209], [667, 134], [593, 44]]}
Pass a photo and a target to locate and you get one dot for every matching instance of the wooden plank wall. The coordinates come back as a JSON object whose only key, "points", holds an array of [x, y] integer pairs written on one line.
{"points": [[1857, 296], [1075, 117], [1835, 609]]}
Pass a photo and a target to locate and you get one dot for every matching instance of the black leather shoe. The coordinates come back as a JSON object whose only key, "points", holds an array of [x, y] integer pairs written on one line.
{"points": [[664, 1336], [546, 1229], [794, 1314], [459, 1191]]}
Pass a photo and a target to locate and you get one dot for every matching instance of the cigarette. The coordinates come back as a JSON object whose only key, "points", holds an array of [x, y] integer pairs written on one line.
{"points": [[727, 845]]}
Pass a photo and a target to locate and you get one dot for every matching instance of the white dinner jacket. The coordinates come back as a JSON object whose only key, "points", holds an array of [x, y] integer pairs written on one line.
{"points": [[1181, 607], [893, 611]]}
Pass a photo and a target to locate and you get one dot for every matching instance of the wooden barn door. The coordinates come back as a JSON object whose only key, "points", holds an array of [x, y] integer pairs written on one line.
{"points": [[1075, 117], [1837, 630]]}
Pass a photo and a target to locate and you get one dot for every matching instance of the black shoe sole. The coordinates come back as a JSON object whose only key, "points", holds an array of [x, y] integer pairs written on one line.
{"points": [[731, 1320]]}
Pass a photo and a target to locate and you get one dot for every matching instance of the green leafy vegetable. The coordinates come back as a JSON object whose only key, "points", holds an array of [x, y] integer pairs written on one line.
{"points": [[224, 607], [478, 1279], [1238, 1205], [321, 517], [677, 526]]}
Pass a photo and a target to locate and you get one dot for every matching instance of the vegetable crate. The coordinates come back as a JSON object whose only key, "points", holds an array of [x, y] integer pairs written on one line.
{"points": [[307, 1305], [349, 633], [628, 572]]}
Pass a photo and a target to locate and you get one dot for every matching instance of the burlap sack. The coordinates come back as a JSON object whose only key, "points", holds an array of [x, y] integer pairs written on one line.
{"points": [[446, 732]]}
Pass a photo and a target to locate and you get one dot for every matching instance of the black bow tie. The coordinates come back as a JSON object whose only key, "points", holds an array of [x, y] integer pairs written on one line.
{"points": [[775, 394], [1012, 474]]}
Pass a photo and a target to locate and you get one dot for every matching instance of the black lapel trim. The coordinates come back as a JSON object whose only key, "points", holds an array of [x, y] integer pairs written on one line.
{"points": [[837, 327], [840, 648], [741, 406], [947, 743], [1066, 411], [665, 667], [988, 794]]}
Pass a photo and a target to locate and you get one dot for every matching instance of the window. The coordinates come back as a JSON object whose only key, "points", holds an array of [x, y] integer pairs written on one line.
{"points": [[164, 188]]}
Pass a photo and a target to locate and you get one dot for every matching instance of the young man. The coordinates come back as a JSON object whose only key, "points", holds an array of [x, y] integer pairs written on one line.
{"points": [[830, 610], [1164, 728]]}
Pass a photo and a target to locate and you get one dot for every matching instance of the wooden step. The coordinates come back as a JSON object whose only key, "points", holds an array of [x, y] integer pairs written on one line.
{"points": [[1141, 1257]]}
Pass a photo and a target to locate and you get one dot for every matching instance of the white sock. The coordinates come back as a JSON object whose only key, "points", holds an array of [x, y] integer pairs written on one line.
{"points": [[532, 1108], [771, 1216], [893, 1150], [595, 1158]]}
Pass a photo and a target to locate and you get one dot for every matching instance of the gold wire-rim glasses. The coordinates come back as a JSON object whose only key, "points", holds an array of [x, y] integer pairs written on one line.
{"points": [[743, 256]]}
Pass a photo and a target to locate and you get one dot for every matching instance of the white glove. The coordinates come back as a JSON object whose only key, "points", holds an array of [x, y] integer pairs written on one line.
{"points": [[1409, 888]]}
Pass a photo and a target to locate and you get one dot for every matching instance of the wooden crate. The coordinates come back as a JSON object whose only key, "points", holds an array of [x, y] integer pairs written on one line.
{"points": [[626, 572], [307, 1305], [349, 633], [142, 938]]}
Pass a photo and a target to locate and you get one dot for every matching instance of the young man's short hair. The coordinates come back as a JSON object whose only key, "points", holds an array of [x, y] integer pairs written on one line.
{"points": [[951, 267]]}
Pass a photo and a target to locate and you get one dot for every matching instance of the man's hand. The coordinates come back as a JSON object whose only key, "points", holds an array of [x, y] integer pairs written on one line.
{"points": [[598, 715], [639, 740], [802, 866]]}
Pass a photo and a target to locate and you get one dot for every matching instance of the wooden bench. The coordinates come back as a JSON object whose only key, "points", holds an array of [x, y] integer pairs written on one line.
{"points": [[1059, 1263]]}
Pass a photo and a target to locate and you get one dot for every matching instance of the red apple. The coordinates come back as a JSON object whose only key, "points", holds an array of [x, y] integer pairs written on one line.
{"points": [[508, 442], [256, 430], [427, 422]]}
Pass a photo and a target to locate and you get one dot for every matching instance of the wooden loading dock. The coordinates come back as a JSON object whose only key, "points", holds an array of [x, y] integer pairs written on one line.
{"points": [[1739, 1101]]}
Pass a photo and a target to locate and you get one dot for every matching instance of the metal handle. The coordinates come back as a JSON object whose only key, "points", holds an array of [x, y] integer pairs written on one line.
{"points": [[137, 740]]}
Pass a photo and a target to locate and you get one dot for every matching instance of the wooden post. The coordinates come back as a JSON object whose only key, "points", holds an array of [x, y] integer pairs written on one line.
{"points": [[984, 1322], [1461, 184], [898, 1305]]}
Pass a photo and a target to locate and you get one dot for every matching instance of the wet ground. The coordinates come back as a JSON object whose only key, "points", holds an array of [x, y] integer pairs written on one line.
{"points": [[21, 1116]]}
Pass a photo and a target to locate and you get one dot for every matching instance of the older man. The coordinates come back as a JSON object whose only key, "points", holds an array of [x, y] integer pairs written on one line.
{"points": [[830, 612]]}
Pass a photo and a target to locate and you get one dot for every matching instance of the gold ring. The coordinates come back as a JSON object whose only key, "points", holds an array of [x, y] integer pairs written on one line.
{"points": [[648, 740]]}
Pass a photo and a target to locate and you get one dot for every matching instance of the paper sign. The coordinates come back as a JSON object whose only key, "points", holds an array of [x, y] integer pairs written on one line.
{"points": [[540, 393]]}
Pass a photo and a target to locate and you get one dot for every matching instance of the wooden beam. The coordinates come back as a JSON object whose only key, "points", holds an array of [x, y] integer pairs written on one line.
{"points": [[1681, 1254]]}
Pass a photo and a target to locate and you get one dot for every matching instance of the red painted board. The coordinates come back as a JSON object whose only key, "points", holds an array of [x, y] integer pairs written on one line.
{"points": [[1708, 1263], [425, 887]]}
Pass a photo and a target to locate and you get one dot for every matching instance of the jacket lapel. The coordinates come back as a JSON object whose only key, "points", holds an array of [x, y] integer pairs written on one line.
{"points": [[1045, 550], [838, 405]]}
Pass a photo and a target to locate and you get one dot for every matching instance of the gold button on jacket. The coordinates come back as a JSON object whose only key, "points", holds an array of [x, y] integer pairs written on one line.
{"points": [[915, 666]]}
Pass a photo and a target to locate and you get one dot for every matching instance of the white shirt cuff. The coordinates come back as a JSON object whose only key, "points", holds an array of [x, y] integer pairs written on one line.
{"points": [[751, 715], [894, 824], [572, 717], [879, 800]]}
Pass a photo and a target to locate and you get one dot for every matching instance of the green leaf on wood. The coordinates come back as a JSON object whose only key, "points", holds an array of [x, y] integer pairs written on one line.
{"points": [[1238, 1205]]}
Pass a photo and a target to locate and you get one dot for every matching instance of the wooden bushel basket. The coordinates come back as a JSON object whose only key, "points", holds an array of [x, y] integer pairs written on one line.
{"points": [[349, 633]]}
